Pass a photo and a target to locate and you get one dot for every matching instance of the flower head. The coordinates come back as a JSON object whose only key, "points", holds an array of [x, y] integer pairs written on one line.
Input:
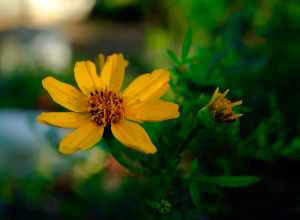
{"points": [[221, 107], [99, 103]]}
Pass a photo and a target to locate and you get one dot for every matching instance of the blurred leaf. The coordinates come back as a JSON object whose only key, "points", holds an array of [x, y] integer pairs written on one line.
{"points": [[186, 46], [193, 59], [194, 186], [292, 148], [195, 193], [173, 56], [224, 165], [152, 204], [231, 181], [194, 167]]}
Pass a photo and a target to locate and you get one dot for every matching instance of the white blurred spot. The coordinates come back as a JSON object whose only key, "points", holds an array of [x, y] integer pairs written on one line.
{"points": [[51, 51], [43, 12], [53, 11], [34, 49]]}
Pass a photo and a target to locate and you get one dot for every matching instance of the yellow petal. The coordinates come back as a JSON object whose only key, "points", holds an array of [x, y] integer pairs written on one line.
{"points": [[153, 110], [63, 119], [133, 136], [65, 95], [148, 86], [113, 72], [82, 138], [86, 76]]}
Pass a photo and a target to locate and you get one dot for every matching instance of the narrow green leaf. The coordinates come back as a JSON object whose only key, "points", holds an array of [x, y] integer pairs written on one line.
{"points": [[173, 56], [186, 46], [231, 181], [194, 186], [195, 193]]}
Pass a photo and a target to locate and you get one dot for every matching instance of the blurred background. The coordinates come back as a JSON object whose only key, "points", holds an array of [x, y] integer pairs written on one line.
{"points": [[249, 46]]}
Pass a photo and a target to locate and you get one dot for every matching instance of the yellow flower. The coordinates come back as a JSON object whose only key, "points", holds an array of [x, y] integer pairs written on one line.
{"points": [[221, 107], [99, 104]]}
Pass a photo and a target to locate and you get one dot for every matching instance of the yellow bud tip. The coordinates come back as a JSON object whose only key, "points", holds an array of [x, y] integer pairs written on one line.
{"points": [[237, 103], [225, 93]]}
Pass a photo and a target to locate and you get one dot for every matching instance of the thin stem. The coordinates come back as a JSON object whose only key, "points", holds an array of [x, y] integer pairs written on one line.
{"points": [[187, 140]]}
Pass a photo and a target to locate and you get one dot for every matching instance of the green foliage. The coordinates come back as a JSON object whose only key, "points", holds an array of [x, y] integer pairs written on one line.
{"points": [[186, 46], [205, 118], [173, 56], [231, 181], [293, 148], [193, 185]]}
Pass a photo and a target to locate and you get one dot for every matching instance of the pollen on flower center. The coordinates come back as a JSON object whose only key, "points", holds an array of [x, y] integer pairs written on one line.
{"points": [[105, 107]]}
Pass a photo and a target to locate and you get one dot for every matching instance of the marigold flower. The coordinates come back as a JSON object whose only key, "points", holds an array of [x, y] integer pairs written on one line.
{"points": [[99, 104], [221, 107]]}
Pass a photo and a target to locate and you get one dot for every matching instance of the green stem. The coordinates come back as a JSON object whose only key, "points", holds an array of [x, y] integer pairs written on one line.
{"points": [[187, 140], [120, 157]]}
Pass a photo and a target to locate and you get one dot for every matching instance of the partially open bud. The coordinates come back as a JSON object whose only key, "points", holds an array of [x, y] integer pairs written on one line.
{"points": [[221, 107]]}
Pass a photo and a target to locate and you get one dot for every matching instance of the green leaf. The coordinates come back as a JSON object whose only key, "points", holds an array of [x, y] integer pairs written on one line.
{"points": [[231, 181], [195, 193], [224, 165], [292, 148], [173, 56], [194, 186], [205, 117], [186, 46]]}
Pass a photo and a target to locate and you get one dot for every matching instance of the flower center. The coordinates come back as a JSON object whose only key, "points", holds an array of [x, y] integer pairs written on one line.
{"points": [[105, 107]]}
